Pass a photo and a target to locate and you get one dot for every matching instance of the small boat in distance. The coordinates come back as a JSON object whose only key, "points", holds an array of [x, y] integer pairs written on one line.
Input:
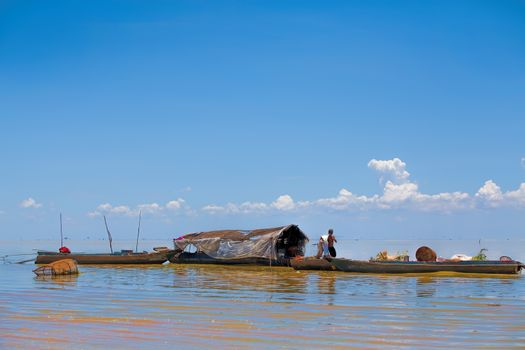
{"points": [[401, 267], [159, 256]]}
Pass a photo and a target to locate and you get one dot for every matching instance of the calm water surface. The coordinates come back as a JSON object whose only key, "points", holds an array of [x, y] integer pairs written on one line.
{"points": [[144, 307]]}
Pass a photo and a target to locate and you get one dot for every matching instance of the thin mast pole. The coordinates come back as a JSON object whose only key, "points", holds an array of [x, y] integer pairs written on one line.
{"points": [[138, 233], [109, 235], [61, 234]]}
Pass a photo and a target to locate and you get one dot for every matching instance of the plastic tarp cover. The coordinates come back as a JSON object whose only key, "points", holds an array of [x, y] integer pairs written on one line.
{"points": [[261, 246]]}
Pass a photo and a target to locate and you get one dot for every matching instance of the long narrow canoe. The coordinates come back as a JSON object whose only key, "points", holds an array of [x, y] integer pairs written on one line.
{"points": [[45, 257], [397, 267]]}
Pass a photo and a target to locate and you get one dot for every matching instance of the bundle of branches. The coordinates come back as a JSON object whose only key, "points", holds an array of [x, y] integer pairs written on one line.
{"points": [[383, 255], [481, 255]]}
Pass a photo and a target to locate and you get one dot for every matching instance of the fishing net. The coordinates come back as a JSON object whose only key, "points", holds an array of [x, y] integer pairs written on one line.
{"points": [[60, 267]]}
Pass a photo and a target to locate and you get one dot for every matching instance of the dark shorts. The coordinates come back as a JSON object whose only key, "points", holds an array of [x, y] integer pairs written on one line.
{"points": [[332, 252]]}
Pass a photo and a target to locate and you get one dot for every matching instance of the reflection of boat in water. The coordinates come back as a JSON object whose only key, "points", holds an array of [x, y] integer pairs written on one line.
{"points": [[272, 246], [312, 263], [398, 267], [58, 268], [58, 279], [204, 279], [158, 256]]}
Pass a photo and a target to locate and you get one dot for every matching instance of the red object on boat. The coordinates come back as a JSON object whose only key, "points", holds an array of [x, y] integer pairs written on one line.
{"points": [[64, 250]]}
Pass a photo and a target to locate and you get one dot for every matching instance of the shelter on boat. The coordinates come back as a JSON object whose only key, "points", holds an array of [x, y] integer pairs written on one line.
{"points": [[261, 246]]}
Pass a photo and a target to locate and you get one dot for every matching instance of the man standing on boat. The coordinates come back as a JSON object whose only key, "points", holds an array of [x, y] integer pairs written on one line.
{"points": [[322, 247], [331, 240]]}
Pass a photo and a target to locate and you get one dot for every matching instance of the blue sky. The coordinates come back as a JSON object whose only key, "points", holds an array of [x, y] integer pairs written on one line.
{"points": [[243, 114]]}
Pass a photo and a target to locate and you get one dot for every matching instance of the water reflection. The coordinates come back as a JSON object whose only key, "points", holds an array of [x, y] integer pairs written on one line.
{"points": [[425, 287], [198, 306], [58, 282], [57, 279], [326, 285], [206, 278]]}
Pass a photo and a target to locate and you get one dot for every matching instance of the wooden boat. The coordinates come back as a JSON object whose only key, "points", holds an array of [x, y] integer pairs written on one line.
{"points": [[312, 263], [123, 257], [58, 268], [399, 267], [159, 256]]}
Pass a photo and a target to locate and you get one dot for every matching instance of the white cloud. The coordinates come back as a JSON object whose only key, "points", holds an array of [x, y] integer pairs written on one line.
{"points": [[523, 162], [121, 209], [107, 208], [231, 208], [491, 195], [346, 200], [393, 167], [398, 193], [214, 209], [175, 204], [284, 202], [394, 193], [147, 208], [404, 195], [517, 196], [151, 208], [490, 192], [30, 203], [249, 207]]}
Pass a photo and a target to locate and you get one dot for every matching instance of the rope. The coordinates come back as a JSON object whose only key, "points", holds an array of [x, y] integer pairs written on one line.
{"points": [[6, 261]]}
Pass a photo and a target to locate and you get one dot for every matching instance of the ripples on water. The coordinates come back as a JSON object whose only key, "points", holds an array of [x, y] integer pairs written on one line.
{"points": [[255, 307]]}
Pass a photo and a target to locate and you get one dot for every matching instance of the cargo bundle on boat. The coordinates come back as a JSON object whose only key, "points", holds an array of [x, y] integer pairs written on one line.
{"points": [[270, 246]]}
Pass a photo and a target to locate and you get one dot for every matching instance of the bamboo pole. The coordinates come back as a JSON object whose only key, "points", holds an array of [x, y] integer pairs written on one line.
{"points": [[109, 235], [61, 233], [138, 233]]}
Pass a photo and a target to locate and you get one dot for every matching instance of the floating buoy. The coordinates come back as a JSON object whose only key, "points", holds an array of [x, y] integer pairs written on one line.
{"points": [[58, 268]]}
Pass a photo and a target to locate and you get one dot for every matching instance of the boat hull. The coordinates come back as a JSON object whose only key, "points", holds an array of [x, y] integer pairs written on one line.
{"points": [[202, 258], [99, 259], [312, 264], [400, 267]]}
